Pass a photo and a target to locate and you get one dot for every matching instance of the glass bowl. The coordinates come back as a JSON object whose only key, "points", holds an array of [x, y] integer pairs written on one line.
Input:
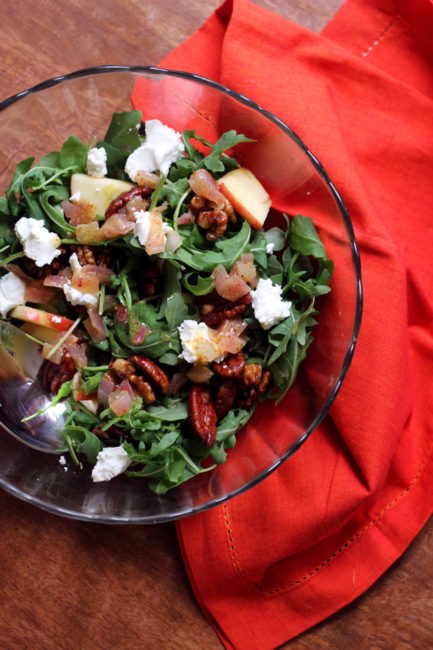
{"points": [[39, 120]]}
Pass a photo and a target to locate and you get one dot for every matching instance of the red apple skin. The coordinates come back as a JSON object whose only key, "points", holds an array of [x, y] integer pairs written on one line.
{"points": [[32, 315], [249, 184]]}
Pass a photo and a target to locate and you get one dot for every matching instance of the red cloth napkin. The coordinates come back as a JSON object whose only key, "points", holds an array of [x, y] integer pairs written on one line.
{"points": [[320, 530]]}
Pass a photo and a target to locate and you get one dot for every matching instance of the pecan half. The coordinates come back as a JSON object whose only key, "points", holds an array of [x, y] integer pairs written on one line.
{"points": [[52, 376], [95, 255], [123, 369], [252, 384], [120, 202], [263, 384], [231, 366], [251, 375], [214, 221], [154, 372], [202, 412], [225, 397], [225, 310], [197, 203], [40, 272]]}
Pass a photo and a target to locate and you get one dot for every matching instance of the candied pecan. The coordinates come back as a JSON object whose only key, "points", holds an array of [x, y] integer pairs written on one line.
{"points": [[202, 412], [120, 202], [230, 212], [52, 376], [250, 393], [85, 255], [143, 388], [231, 366], [246, 398], [154, 372], [206, 309], [40, 272], [214, 221], [103, 256], [264, 382], [95, 255], [225, 397], [225, 310], [197, 203], [251, 375], [123, 369]]}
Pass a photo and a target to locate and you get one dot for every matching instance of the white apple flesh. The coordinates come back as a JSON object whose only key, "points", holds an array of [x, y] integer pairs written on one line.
{"points": [[98, 192], [247, 195]]}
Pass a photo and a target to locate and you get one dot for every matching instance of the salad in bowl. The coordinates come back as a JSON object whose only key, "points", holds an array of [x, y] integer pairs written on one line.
{"points": [[166, 303]]}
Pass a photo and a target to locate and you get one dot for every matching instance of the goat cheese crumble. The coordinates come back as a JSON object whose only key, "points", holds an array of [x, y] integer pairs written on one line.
{"points": [[268, 306], [270, 248], [110, 462], [199, 343], [74, 295], [97, 162], [77, 297], [162, 147], [74, 263], [39, 244], [12, 292], [142, 225]]}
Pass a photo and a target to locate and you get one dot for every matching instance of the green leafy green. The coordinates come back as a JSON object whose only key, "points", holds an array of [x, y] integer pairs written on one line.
{"points": [[158, 437], [304, 237]]}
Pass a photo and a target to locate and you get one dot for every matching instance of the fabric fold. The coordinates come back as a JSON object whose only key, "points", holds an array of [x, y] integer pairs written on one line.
{"points": [[322, 528]]}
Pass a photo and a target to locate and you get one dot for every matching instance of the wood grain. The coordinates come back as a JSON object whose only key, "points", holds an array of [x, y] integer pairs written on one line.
{"points": [[49, 595]]}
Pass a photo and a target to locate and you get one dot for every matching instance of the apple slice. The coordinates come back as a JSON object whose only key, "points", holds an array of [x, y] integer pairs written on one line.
{"points": [[98, 192], [40, 332], [247, 195], [40, 317]]}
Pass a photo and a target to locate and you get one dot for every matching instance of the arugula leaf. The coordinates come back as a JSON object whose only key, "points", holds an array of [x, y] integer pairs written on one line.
{"points": [[173, 307], [192, 152], [115, 160], [173, 191], [14, 189], [257, 247], [123, 132], [226, 251], [54, 211], [274, 270], [84, 441], [285, 368], [228, 140], [232, 422], [277, 237], [176, 411], [159, 446], [304, 237], [197, 284], [72, 154], [51, 159], [92, 381]]}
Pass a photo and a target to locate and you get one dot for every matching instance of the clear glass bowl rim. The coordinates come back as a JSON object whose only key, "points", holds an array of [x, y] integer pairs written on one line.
{"points": [[154, 70]]}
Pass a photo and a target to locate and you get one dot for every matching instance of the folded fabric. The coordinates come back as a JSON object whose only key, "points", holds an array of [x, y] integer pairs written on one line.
{"points": [[321, 529]]}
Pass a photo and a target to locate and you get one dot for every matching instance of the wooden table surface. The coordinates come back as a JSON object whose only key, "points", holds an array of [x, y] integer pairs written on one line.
{"points": [[45, 39]]}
